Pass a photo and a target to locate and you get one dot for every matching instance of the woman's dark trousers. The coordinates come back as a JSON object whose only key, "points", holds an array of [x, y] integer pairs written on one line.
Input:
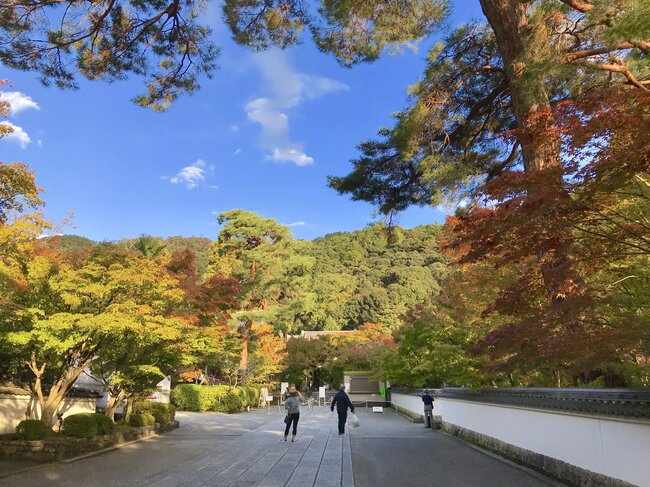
{"points": [[293, 418]]}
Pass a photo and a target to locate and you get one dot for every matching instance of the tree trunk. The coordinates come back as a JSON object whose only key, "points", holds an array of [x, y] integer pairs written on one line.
{"points": [[129, 408], [519, 43], [50, 405], [243, 357], [113, 403], [30, 405]]}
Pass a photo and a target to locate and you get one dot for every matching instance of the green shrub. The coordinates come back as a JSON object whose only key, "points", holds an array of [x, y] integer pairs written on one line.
{"points": [[164, 413], [226, 399], [253, 396], [82, 425], [32, 429], [142, 419], [104, 424]]}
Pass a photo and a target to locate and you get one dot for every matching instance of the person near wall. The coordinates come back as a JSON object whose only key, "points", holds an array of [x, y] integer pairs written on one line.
{"points": [[427, 399], [342, 403], [292, 408]]}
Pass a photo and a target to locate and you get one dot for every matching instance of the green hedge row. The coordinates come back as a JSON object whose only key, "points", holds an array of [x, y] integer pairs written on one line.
{"points": [[225, 399], [142, 419], [163, 413], [32, 429], [87, 425]]}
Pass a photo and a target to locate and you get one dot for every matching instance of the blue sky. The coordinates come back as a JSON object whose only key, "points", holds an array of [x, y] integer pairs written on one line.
{"points": [[263, 135]]}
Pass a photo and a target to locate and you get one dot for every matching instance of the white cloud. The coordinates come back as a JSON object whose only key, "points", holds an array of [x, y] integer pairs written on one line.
{"points": [[317, 86], [18, 134], [296, 224], [237, 152], [234, 129], [191, 176], [274, 123], [291, 155], [18, 101], [289, 89]]}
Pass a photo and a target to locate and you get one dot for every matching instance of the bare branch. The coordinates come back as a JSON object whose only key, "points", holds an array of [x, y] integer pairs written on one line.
{"points": [[617, 67], [595, 52]]}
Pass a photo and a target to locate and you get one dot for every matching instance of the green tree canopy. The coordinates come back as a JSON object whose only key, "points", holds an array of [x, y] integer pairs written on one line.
{"points": [[372, 276], [81, 307], [109, 40]]}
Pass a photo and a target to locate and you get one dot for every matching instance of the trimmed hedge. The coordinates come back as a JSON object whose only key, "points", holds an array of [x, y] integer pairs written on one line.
{"points": [[164, 413], [32, 429], [81, 425], [142, 419], [104, 424], [87, 425], [225, 399]]}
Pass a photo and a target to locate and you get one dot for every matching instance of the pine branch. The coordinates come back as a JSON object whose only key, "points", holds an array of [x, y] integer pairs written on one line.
{"points": [[580, 6]]}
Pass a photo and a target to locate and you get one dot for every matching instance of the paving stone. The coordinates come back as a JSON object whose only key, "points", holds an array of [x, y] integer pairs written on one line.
{"points": [[245, 450]]}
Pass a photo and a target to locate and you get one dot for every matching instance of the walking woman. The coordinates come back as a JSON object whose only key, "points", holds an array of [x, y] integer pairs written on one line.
{"points": [[292, 408]]}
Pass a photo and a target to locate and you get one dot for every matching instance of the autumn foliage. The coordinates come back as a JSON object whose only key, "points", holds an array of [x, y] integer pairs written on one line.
{"points": [[568, 244]]}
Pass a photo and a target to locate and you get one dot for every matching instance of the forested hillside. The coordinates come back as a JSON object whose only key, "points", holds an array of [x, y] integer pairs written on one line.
{"points": [[373, 275], [199, 245]]}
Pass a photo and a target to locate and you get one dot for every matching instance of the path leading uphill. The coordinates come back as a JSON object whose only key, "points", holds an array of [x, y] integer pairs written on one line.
{"points": [[246, 450]]}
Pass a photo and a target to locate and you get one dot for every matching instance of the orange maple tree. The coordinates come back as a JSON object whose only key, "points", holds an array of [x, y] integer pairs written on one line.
{"points": [[581, 225]]}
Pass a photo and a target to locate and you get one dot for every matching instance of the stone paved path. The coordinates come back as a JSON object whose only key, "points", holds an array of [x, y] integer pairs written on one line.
{"points": [[246, 450], [216, 450], [388, 450]]}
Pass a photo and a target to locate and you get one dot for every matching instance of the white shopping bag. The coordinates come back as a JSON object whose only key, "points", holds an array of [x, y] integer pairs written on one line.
{"points": [[355, 421]]}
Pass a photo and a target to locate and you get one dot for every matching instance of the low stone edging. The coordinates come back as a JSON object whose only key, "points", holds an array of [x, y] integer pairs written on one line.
{"points": [[414, 418], [562, 471], [57, 448]]}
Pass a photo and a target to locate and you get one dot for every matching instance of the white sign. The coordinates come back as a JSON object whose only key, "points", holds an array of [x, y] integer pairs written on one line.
{"points": [[283, 387], [269, 398], [321, 392], [377, 409]]}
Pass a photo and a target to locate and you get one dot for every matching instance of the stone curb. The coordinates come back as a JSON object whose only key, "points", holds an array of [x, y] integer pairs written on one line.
{"points": [[413, 418]]}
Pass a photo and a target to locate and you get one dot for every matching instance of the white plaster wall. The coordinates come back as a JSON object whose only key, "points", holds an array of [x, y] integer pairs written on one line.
{"points": [[616, 448], [12, 409], [163, 391], [12, 412], [76, 405], [414, 404], [626, 449]]}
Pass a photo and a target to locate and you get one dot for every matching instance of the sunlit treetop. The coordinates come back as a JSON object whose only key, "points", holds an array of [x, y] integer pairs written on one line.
{"points": [[169, 44], [110, 39], [484, 102], [353, 30]]}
